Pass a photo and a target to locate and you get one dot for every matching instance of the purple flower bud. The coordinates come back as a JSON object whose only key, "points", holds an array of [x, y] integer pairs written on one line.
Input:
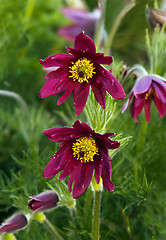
{"points": [[156, 17], [43, 201], [14, 223]]}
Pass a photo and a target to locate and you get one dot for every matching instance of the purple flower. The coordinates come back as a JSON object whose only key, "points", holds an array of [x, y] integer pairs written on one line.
{"points": [[83, 21], [14, 223], [146, 89], [77, 72], [82, 151], [43, 201]]}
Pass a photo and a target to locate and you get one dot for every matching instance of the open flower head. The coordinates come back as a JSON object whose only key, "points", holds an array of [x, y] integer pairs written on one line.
{"points": [[77, 72], [82, 153], [14, 223], [146, 89], [43, 201], [82, 21]]}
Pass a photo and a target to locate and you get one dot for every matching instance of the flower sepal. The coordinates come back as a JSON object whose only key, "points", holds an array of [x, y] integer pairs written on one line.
{"points": [[95, 186], [39, 216], [8, 236], [65, 197]]}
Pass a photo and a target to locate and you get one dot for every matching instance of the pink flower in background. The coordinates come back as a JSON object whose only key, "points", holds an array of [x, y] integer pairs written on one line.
{"points": [[16, 222], [146, 89], [82, 21], [43, 201], [82, 151], [77, 72]]}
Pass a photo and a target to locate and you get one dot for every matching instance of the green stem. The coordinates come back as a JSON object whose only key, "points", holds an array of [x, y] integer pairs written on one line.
{"points": [[29, 10], [140, 144], [142, 134], [52, 230], [88, 201], [100, 25], [18, 98], [116, 26], [96, 215]]}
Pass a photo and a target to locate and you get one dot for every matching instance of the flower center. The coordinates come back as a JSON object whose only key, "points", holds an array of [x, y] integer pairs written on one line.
{"points": [[84, 149], [150, 94], [82, 70]]}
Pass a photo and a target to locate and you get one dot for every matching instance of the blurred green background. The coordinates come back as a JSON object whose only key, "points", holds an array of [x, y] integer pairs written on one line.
{"points": [[136, 209]]}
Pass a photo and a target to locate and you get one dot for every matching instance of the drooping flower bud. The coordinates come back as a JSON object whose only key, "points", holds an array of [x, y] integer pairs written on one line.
{"points": [[16, 222], [43, 201]]}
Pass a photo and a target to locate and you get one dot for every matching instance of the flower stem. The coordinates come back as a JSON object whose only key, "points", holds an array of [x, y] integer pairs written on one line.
{"points": [[116, 26], [52, 230], [96, 215], [18, 98], [100, 25], [29, 9]]}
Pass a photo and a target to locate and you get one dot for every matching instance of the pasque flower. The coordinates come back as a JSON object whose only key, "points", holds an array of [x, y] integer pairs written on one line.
{"points": [[16, 222], [82, 21], [147, 88], [77, 72], [43, 201], [82, 153]]}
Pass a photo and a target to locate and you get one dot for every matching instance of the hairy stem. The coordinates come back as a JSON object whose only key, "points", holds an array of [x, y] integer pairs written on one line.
{"points": [[96, 215], [52, 230], [100, 25], [18, 98]]}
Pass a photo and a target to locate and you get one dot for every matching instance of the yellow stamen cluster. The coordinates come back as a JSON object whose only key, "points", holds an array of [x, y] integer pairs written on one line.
{"points": [[150, 94], [84, 149], [82, 70]]}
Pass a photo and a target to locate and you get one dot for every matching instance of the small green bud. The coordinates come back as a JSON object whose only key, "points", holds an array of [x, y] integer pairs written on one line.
{"points": [[39, 216]]}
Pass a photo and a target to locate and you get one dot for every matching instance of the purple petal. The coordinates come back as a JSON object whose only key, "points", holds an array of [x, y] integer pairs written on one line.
{"points": [[45, 196], [41, 207], [125, 106], [70, 32], [81, 98], [57, 60], [99, 93], [98, 163], [83, 179], [82, 127], [136, 107], [52, 167], [69, 88], [106, 135], [53, 87], [77, 53], [14, 223], [111, 144], [59, 73], [70, 166], [159, 80], [59, 134], [160, 92], [142, 85], [160, 106], [112, 85], [147, 106], [106, 173], [76, 15], [85, 43], [73, 175], [101, 59]]}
